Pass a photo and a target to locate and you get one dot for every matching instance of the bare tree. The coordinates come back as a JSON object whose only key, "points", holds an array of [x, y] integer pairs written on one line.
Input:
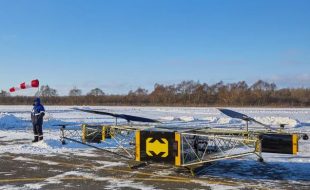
{"points": [[186, 93], [75, 92], [4, 93], [46, 91], [96, 92], [264, 86], [139, 92]]}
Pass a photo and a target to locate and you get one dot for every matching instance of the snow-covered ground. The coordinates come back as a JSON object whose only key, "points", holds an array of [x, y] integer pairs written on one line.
{"points": [[15, 121], [16, 131], [18, 116]]}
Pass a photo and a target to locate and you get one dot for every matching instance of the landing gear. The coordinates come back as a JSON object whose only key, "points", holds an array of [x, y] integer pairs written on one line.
{"points": [[195, 171], [63, 142], [191, 170], [136, 165], [260, 159]]}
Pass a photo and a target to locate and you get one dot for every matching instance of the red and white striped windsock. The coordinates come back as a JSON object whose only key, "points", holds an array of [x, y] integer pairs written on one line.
{"points": [[22, 86]]}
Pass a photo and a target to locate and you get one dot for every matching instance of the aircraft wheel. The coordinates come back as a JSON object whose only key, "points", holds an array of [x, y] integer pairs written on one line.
{"points": [[260, 159]]}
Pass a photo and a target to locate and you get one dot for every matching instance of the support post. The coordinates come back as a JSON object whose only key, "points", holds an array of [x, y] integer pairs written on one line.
{"points": [[258, 150], [62, 139]]}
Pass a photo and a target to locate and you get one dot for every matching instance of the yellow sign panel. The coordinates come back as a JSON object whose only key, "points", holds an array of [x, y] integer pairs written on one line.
{"points": [[157, 148]]}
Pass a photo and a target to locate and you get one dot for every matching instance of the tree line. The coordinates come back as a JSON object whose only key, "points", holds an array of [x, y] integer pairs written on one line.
{"points": [[185, 93]]}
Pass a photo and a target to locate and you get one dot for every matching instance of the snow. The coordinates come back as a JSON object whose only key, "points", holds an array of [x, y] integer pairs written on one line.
{"points": [[187, 118], [8, 121], [15, 123], [276, 121], [106, 164], [33, 186], [114, 183], [210, 119], [50, 146], [167, 118], [11, 187], [18, 116], [216, 186], [127, 184], [16, 135], [226, 120], [19, 158]]}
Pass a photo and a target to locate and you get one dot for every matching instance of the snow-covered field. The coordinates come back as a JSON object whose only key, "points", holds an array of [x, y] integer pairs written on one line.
{"points": [[15, 125]]}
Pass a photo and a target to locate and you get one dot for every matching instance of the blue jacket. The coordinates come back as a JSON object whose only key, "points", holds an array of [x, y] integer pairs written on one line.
{"points": [[37, 113]]}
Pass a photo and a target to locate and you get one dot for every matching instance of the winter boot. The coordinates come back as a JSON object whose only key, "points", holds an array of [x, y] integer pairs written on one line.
{"points": [[36, 139], [40, 138]]}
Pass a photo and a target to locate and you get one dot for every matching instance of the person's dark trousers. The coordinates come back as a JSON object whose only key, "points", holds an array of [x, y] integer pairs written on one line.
{"points": [[38, 133]]}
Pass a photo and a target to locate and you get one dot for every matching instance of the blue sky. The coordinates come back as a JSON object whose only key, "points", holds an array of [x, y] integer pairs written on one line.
{"points": [[121, 45]]}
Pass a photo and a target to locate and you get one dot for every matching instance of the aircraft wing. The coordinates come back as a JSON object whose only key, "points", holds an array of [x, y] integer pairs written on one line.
{"points": [[129, 118], [237, 115]]}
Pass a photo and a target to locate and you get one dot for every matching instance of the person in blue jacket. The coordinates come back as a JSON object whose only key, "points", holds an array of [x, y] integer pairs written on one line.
{"points": [[37, 115]]}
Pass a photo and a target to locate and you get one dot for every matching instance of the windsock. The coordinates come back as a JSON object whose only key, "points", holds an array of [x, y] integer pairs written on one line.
{"points": [[22, 86]]}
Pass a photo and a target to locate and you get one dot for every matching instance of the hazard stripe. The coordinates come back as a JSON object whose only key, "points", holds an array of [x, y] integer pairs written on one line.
{"points": [[295, 143], [178, 155], [138, 156]]}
